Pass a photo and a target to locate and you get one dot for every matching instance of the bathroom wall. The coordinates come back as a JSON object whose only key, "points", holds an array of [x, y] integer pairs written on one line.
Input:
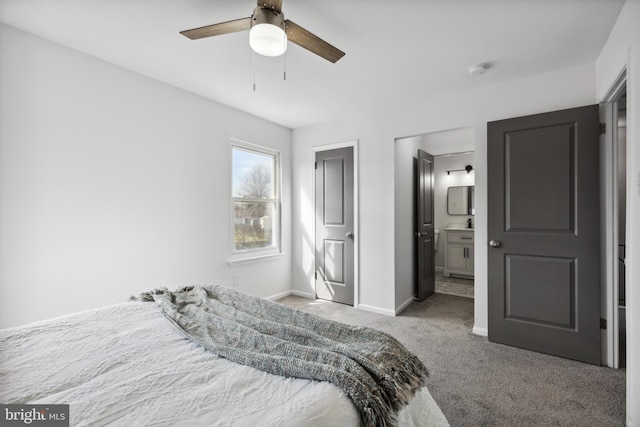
{"points": [[443, 181]]}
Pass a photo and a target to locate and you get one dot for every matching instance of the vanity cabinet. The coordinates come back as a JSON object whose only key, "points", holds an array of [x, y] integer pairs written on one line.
{"points": [[458, 256]]}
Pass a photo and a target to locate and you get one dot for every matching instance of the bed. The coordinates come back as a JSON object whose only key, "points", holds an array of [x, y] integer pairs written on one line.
{"points": [[126, 364]]}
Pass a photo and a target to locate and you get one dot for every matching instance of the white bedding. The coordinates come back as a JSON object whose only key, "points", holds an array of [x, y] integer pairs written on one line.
{"points": [[127, 365]]}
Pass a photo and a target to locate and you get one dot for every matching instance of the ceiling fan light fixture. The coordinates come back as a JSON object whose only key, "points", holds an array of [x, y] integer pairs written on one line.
{"points": [[267, 36], [269, 32], [268, 40]]}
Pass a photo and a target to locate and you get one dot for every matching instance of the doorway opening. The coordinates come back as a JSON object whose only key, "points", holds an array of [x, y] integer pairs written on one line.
{"points": [[613, 118], [450, 148], [621, 162], [455, 219]]}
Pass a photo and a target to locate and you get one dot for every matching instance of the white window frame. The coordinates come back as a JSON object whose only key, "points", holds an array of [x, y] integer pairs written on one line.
{"points": [[258, 254]]}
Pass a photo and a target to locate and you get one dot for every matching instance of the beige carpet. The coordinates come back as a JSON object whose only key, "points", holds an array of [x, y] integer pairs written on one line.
{"points": [[479, 383]]}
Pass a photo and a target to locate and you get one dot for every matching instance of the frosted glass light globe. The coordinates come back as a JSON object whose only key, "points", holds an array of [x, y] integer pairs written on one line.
{"points": [[268, 40]]}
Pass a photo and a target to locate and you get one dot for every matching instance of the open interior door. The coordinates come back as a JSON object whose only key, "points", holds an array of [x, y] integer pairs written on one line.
{"points": [[544, 233], [424, 228]]}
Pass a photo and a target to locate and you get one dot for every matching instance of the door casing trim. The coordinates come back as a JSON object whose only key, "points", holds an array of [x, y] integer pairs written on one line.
{"points": [[609, 226]]}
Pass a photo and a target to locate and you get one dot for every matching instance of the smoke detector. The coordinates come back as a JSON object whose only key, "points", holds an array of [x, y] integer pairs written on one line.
{"points": [[478, 70]]}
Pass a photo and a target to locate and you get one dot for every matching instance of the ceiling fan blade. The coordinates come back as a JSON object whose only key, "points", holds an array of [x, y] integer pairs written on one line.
{"points": [[271, 4], [311, 42], [243, 24]]}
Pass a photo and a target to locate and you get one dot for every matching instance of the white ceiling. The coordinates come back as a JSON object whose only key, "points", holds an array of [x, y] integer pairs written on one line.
{"points": [[397, 52]]}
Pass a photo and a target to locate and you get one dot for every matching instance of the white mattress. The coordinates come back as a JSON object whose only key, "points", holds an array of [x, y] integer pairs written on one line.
{"points": [[127, 365]]}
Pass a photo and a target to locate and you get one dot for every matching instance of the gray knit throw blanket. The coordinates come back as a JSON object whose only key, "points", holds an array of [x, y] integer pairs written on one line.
{"points": [[370, 366]]}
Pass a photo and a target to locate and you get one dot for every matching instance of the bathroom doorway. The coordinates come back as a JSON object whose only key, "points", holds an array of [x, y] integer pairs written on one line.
{"points": [[455, 222], [453, 149]]}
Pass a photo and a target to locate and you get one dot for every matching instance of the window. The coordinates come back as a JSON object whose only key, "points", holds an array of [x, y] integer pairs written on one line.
{"points": [[255, 200]]}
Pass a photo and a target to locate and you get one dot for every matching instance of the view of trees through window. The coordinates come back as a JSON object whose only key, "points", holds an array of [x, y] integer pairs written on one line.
{"points": [[254, 198]]}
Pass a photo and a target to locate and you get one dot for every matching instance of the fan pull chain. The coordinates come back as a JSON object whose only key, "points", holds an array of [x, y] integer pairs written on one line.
{"points": [[285, 51], [254, 70]]}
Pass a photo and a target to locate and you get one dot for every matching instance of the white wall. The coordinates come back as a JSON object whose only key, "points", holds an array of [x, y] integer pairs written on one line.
{"points": [[112, 183], [405, 167], [623, 50], [376, 134]]}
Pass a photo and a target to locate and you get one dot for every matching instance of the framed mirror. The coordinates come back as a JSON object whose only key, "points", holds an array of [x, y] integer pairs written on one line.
{"points": [[460, 200]]}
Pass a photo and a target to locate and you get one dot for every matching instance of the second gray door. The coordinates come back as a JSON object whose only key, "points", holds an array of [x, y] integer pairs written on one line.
{"points": [[544, 233], [425, 251], [334, 276]]}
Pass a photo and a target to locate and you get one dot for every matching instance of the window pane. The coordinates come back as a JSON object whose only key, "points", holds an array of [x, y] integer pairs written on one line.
{"points": [[253, 174], [254, 225]]}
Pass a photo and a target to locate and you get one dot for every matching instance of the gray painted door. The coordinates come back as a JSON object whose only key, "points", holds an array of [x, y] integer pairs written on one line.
{"points": [[334, 275], [425, 251], [543, 231]]}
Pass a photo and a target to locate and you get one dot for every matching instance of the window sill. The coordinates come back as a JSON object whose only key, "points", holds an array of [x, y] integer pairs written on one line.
{"points": [[253, 258]]}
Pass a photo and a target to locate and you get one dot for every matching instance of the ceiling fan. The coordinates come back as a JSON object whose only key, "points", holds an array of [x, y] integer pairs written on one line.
{"points": [[269, 32]]}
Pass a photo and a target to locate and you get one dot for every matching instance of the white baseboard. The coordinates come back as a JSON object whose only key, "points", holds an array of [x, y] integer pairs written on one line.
{"points": [[303, 294], [378, 310], [291, 292], [404, 305], [278, 296], [483, 332]]}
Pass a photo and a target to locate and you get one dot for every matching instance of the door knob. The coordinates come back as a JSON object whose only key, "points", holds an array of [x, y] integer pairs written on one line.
{"points": [[349, 235], [495, 243], [418, 234]]}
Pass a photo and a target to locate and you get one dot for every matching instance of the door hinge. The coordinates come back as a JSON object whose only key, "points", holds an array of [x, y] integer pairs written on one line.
{"points": [[603, 128], [316, 275], [603, 323], [316, 165]]}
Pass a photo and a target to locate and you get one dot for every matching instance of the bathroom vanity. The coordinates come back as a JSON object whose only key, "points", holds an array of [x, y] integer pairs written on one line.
{"points": [[458, 254]]}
